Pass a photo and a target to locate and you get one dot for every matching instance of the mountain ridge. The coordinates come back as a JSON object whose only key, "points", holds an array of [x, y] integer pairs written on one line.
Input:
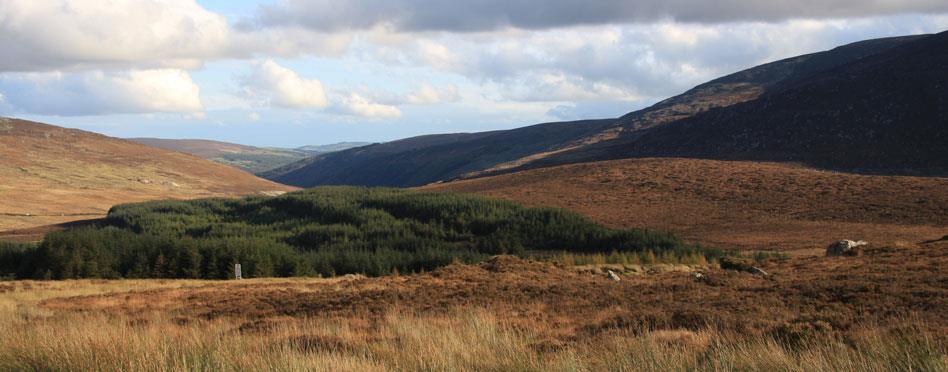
{"points": [[408, 162], [884, 113]]}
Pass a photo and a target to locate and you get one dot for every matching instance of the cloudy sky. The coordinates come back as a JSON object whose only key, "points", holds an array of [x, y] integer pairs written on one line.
{"points": [[298, 72]]}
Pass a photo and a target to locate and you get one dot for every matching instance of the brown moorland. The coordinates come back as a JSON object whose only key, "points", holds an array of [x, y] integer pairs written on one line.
{"points": [[51, 175], [892, 286], [882, 310], [747, 205]]}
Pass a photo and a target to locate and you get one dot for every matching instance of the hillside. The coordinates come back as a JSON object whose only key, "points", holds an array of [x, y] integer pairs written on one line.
{"points": [[425, 159], [421, 160], [249, 158], [747, 205], [50, 174], [886, 113]]}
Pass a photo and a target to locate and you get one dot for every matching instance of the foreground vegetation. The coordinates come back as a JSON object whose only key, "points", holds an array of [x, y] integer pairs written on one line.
{"points": [[42, 338], [324, 231]]}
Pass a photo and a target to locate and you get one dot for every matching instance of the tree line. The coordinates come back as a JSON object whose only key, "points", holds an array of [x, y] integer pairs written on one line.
{"points": [[317, 232]]}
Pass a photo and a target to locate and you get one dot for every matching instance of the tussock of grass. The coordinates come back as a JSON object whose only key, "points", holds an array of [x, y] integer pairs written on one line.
{"points": [[462, 340], [647, 257]]}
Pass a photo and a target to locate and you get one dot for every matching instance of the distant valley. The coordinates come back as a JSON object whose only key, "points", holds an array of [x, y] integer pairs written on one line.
{"points": [[249, 158]]}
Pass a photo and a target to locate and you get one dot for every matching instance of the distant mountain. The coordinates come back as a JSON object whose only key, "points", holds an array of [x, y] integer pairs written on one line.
{"points": [[249, 158], [50, 174], [427, 159], [885, 113]]}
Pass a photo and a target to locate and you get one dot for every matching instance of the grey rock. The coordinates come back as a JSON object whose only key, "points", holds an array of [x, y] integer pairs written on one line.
{"points": [[845, 247]]}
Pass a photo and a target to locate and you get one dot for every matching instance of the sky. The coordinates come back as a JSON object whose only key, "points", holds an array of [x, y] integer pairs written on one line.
{"points": [[289, 73]]}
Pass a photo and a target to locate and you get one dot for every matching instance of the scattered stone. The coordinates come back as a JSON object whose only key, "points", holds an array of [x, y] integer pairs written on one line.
{"points": [[845, 247], [612, 275], [144, 181], [697, 275]]}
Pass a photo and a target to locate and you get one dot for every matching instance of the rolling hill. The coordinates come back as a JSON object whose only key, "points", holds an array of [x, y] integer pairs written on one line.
{"points": [[739, 204], [50, 174], [249, 158], [427, 159]]}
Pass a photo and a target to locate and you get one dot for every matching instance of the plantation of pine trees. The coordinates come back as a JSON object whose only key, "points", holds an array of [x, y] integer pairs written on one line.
{"points": [[318, 232]]}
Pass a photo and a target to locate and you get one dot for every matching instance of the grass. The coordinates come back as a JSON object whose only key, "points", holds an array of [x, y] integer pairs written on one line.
{"points": [[625, 258], [39, 338]]}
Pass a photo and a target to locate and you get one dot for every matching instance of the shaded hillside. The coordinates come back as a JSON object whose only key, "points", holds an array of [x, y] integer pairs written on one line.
{"points": [[885, 113], [50, 174], [749, 205], [425, 159], [249, 158], [429, 159]]}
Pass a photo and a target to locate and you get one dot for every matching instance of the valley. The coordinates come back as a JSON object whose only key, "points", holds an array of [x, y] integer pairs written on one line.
{"points": [[688, 235], [248, 158]]}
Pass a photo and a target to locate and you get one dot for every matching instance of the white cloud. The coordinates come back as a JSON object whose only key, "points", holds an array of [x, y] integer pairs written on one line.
{"points": [[558, 87], [287, 41], [76, 34], [429, 95], [253, 116], [357, 105], [82, 57], [423, 94], [624, 62], [98, 92], [196, 116], [275, 85]]}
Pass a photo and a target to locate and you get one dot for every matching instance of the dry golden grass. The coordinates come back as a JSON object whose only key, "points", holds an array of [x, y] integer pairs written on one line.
{"points": [[812, 314], [748, 205], [51, 175]]}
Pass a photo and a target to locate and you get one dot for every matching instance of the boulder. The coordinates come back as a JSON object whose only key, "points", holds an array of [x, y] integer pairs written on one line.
{"points": [[845, 247]]}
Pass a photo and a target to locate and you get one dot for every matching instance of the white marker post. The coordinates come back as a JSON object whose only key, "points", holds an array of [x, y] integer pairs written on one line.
{"points": [[237, 271]]}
